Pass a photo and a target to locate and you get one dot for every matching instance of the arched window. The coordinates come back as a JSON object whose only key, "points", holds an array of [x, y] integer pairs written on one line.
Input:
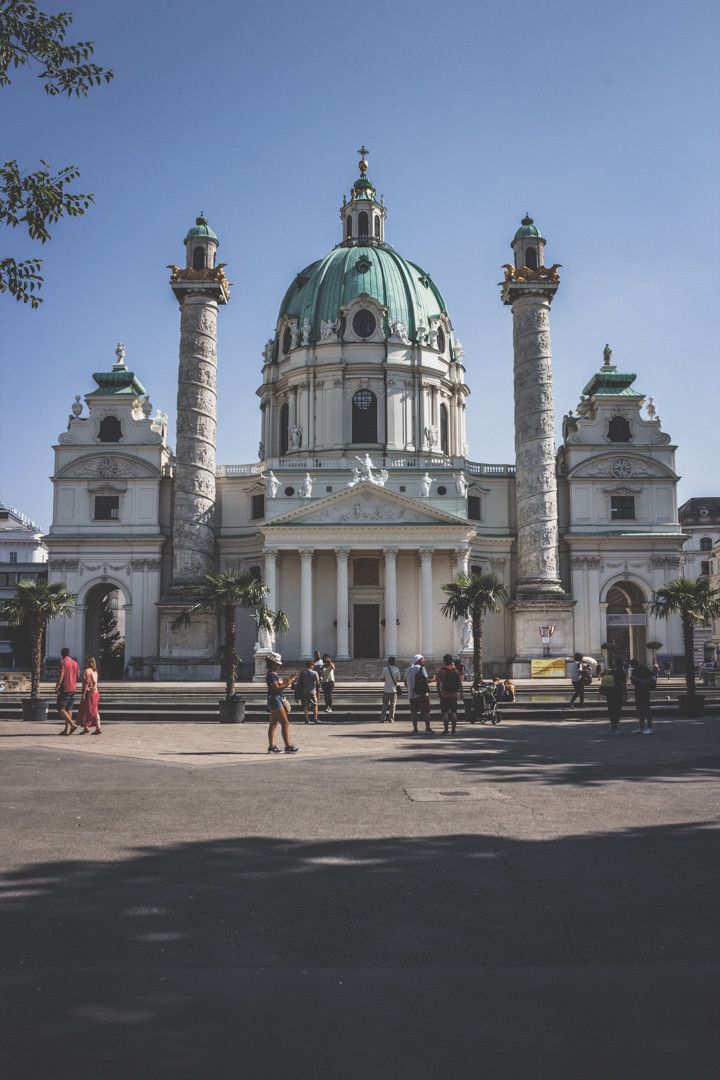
{"points": [[198, 258], [110, 429], [376, 226], [363, 224], [348, 227], [364, 417], [706, 543], [619, 429], [444, 430], [531, 258], [284, 428], [286, 340]]}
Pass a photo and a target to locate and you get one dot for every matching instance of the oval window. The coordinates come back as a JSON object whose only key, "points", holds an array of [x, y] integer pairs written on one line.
{"points": [[287, 340], [441, 339], [289, 490], [364, 323], [442, 490]]}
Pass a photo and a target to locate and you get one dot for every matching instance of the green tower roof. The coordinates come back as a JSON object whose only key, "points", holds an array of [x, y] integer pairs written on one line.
{"points": [[118, 381], [610, 382], [324, 287], [528, 228], [200, 228]]}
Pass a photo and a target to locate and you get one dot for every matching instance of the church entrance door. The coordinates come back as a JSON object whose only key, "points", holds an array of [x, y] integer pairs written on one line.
{"points": [[366, 631]]}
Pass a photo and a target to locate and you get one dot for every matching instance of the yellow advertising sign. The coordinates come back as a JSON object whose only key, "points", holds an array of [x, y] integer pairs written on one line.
{"points": [[548, 668]]}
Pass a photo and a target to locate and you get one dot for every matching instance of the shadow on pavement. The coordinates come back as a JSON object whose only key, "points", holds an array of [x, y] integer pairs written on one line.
{"points": [[581, 754], [586, 956]]}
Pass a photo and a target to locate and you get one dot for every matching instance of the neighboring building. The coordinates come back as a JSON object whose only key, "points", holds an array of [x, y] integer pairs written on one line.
{"points": [[364, 501], [700, 521], [713, 645], [23, 555]]}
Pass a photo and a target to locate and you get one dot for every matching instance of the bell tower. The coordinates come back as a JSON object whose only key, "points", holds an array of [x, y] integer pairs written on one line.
{"points": [[363, 216]]}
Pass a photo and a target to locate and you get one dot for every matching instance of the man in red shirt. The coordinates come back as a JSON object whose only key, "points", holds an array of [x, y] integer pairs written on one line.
{"points": [[65, 688]]}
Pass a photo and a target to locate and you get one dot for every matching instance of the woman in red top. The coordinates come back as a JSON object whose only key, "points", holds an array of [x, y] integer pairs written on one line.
{"points": [[88, 714]]}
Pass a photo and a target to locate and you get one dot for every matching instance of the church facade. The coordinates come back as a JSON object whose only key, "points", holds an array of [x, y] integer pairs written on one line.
{"points": [[365, 499]]}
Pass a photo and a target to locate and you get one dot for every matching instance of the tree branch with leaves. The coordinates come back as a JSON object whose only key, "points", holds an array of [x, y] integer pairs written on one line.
{"points": [[38, 199]]}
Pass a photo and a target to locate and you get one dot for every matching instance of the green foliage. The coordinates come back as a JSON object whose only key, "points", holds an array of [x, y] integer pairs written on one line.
{"points": [[29, 37], [35, 603], [472, 596], [694, 602], [220, 594], [111, 642]]}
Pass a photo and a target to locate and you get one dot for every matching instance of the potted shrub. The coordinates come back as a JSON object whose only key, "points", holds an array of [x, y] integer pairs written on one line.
{"points": [[221, 594], [694, 602], [35, 603]]}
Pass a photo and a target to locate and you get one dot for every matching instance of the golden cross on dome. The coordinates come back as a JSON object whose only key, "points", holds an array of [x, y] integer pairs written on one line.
{"points": [[363, 151]]}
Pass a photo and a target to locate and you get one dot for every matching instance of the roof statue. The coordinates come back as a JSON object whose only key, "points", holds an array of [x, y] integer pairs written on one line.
{"points": [[607, 356]]}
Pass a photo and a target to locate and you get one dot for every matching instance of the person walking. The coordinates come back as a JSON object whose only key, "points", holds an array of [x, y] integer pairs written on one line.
{"points": [[449, 685], [88, 715], [644, 683], [613, 688], [327, 680], [391, 679], [577, 678], [309, 687], [66, 688], [417, 681], [277, 706]]}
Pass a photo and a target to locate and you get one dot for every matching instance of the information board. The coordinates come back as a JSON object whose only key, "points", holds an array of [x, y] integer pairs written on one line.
{"points": [[548, 668]]}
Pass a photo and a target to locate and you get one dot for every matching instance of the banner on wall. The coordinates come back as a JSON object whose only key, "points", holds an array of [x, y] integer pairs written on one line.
{"points": [[548, 668]]}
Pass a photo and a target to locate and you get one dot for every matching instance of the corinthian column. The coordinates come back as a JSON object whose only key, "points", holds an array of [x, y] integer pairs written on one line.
{"points": [[426, 604], [306, 604], [342, 648], [390, 601]]}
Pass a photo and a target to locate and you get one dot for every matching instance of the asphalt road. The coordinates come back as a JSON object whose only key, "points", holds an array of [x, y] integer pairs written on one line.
{"points": [[534, 900]]}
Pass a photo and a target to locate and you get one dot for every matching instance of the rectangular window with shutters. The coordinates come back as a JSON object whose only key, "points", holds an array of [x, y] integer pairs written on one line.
{"points": [[705, 566], [13, 556], [107, 507], [474, 507], [622, 507], [258, 507]]}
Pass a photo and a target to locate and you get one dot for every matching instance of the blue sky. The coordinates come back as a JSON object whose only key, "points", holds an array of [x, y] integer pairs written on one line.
{"points": [[601, 119]]}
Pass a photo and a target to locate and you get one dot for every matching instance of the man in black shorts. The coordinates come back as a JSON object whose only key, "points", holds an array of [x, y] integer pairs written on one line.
{"points": [[449, 685]]}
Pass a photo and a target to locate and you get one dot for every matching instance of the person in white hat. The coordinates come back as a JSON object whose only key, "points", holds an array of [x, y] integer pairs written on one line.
{"points": [[417, 681], [277, 705]]}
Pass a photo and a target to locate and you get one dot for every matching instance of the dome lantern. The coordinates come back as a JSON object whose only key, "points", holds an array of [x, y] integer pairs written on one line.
{"points": [[528, 244], [363, 216], [201, 243]]}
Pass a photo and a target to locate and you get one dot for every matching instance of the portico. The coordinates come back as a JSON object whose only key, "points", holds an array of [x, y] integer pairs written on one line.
{"points": [[365, 590]]}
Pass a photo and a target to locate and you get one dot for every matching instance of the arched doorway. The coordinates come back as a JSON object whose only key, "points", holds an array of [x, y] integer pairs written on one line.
{"points": [[105, 629], [626, 622]]}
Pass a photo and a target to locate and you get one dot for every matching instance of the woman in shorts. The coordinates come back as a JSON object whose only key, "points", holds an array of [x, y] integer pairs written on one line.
{"points": [[277, 706]]}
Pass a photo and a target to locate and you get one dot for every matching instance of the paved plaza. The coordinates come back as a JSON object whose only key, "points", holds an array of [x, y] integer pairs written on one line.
{"points": [[535, 899]]}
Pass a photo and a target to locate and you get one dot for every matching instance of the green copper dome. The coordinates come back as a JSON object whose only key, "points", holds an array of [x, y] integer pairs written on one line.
{"points": [[200, 228], [528, 228], [324, 287]]}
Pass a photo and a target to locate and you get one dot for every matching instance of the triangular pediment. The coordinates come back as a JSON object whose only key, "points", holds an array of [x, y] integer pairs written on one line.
{"points": [[367, 504]]}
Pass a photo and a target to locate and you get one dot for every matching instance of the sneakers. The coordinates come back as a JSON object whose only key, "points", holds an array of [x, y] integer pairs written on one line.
{"points": [[291, 749], [273, 749], [328, 710]]}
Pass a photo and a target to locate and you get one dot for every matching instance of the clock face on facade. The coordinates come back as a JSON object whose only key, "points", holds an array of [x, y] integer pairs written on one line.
{"points": [[621, 468]]}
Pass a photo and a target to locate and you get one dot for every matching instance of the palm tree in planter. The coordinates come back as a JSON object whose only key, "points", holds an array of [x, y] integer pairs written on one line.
{"points": [[653, 646], [694, 602], [220, 595], [32, 607], [472, 596]]}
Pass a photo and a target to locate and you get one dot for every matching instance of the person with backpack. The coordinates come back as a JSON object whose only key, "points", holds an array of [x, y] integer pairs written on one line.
{"points": [[612, 687], [577, 678], [391, 689], [309, 685], [417, 681], [449, 685], [644, 682]]}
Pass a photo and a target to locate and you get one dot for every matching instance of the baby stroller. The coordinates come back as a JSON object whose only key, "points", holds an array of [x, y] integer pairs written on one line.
{"points": [[484, 706]]}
